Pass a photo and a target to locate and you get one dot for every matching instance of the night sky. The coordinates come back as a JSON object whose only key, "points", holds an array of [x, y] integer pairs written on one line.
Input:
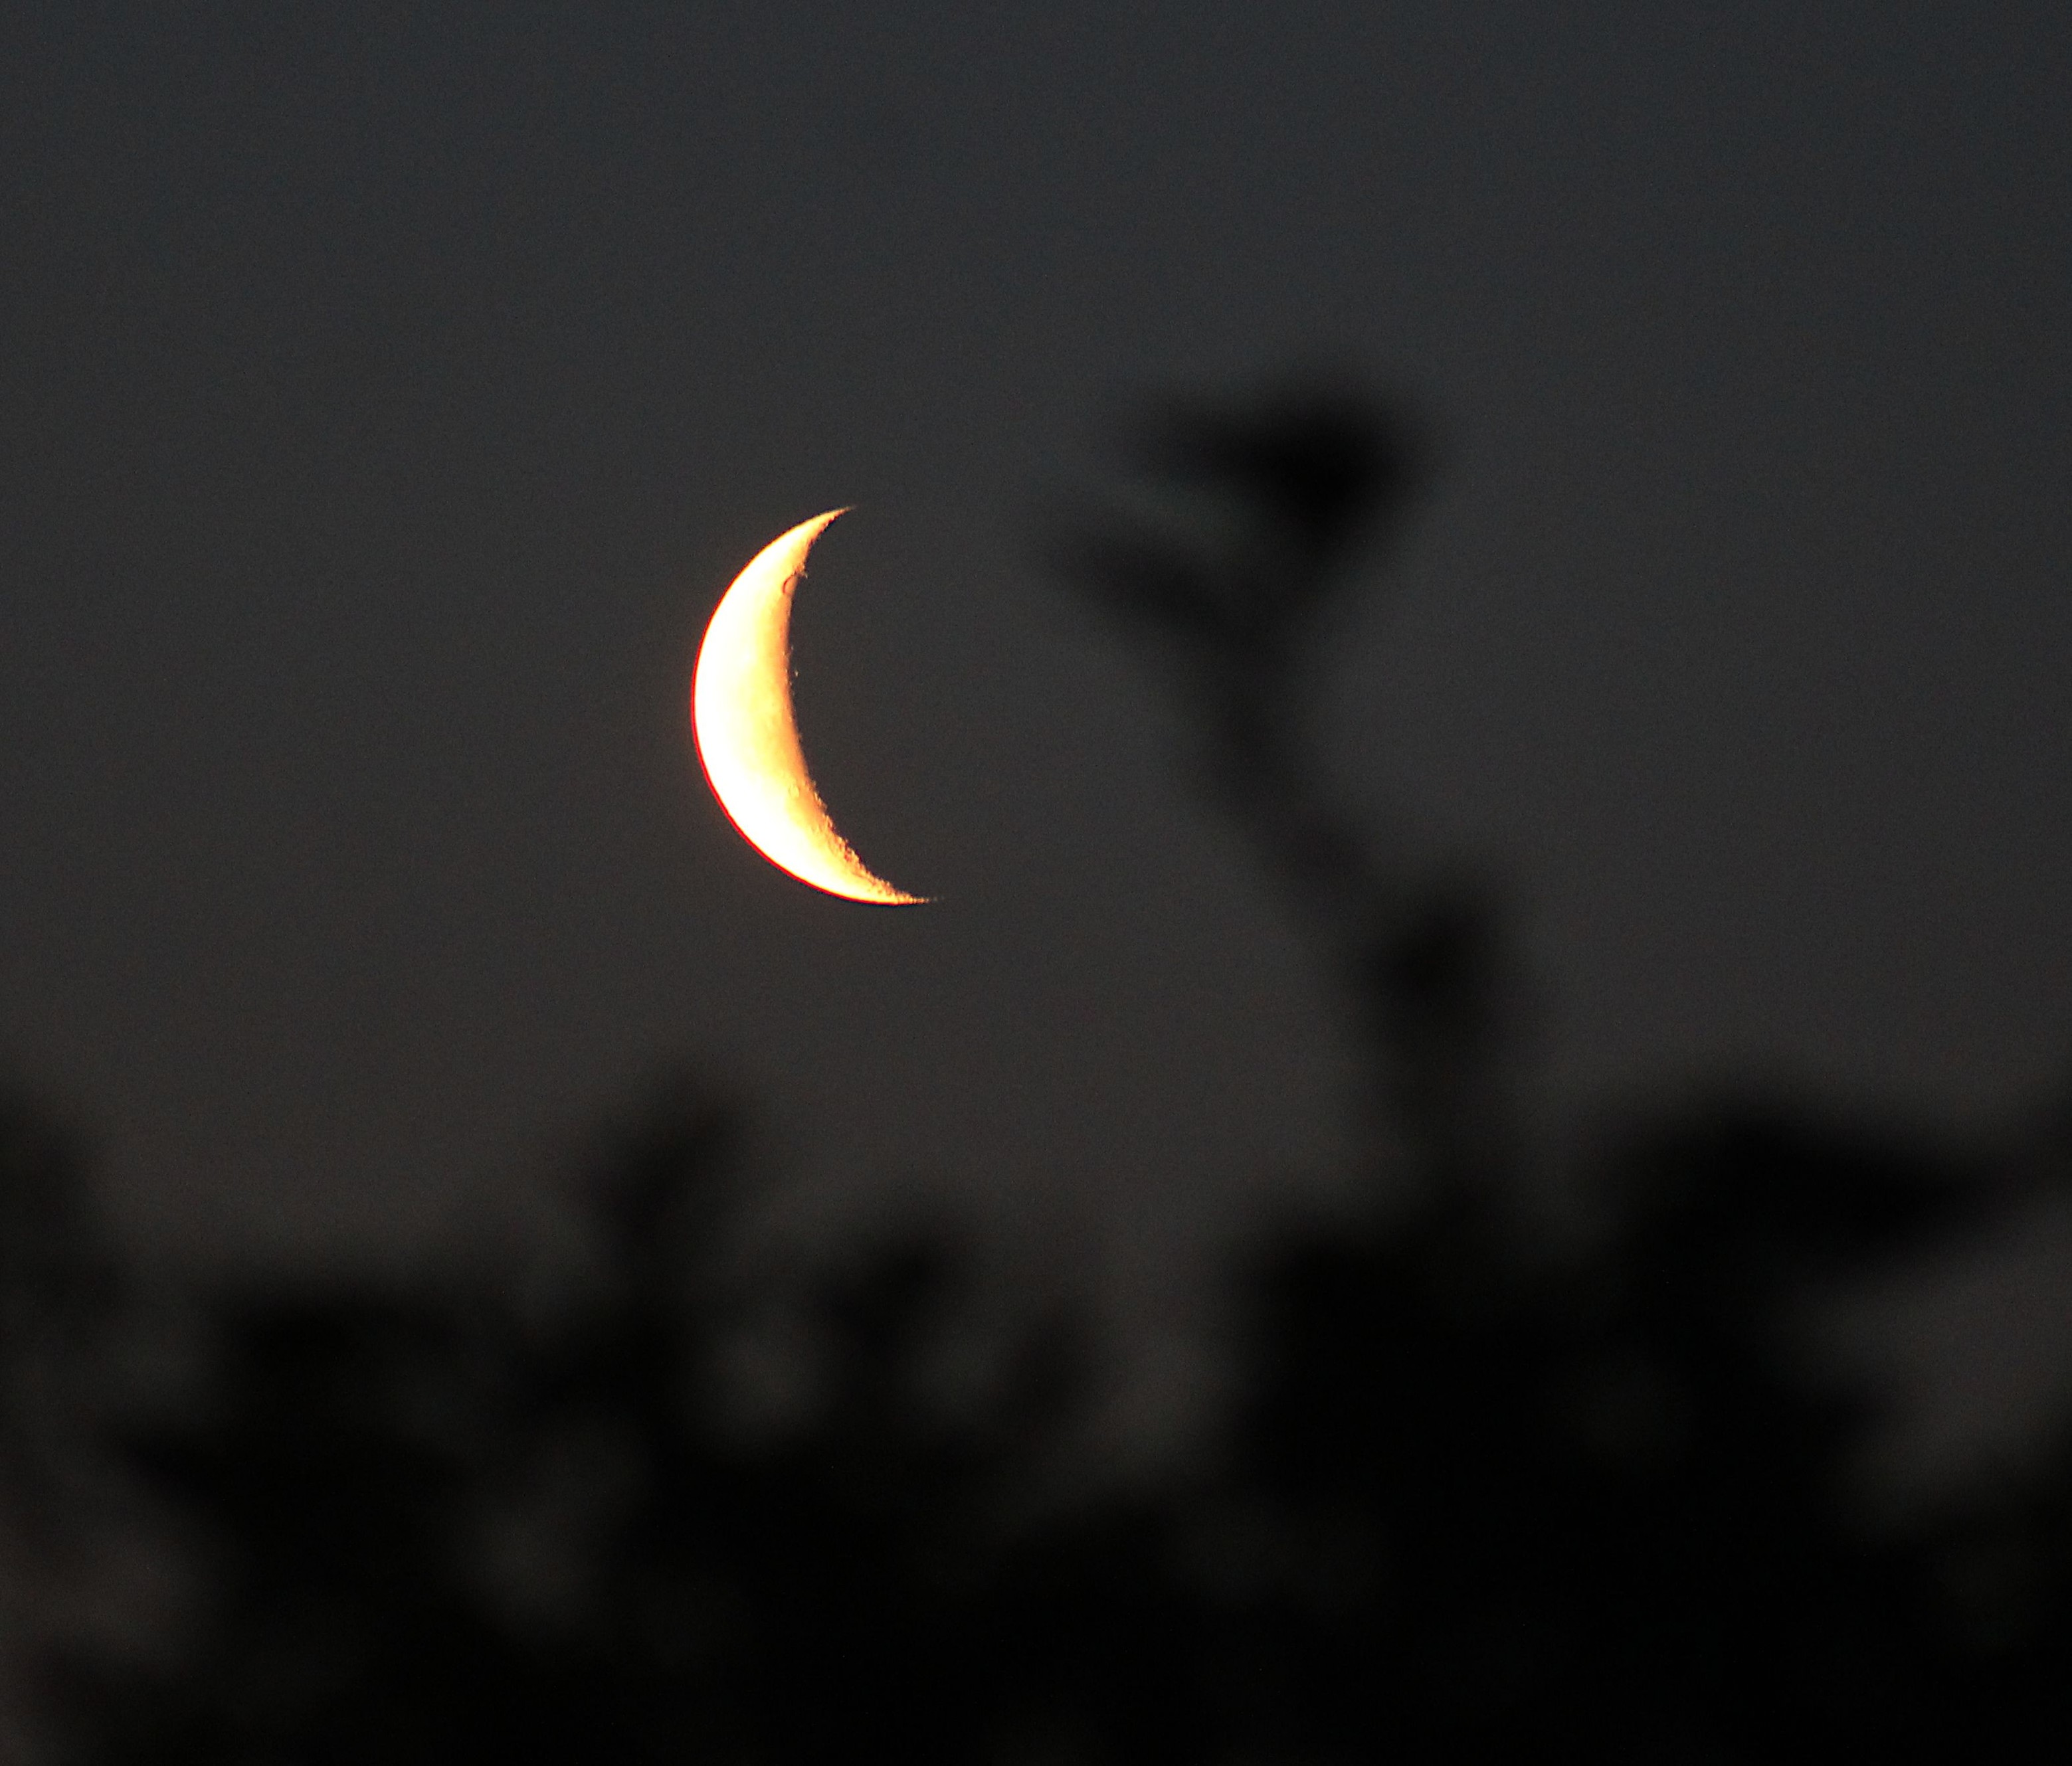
{"points": [[390, 392]]}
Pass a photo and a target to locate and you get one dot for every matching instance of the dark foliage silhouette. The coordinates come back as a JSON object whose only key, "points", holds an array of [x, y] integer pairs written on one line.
{"points": [[1478, 1499]]}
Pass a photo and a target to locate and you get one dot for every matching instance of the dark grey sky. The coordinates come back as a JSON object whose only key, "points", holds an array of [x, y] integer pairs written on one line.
{"points": [[390, 393]]}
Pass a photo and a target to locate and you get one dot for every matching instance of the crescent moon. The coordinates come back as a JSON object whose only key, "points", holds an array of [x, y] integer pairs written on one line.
{"points": [[748, 741]]}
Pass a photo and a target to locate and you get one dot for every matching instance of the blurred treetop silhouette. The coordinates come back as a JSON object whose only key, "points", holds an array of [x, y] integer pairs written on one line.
{"points": [[1477, 1498]]}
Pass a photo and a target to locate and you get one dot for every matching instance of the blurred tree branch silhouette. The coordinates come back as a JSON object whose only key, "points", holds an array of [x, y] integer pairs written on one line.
{"points": [[1476, 1500]]}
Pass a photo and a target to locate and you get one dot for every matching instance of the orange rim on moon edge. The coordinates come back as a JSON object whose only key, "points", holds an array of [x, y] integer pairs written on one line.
{"points": [[748, 741]]}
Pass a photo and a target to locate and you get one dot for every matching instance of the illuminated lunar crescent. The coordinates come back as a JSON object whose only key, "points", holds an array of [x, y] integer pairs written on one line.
{"points": [[741, 711]]}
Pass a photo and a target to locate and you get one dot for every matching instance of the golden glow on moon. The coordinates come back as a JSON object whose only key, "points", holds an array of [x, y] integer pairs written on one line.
{"points": [[741, 711]]}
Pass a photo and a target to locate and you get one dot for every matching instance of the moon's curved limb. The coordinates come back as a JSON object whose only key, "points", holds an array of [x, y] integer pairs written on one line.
{"points": [[741, 712]]}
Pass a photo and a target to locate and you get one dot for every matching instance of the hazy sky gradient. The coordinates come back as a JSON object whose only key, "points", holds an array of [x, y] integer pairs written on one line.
{"points": [[390, 394]]}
